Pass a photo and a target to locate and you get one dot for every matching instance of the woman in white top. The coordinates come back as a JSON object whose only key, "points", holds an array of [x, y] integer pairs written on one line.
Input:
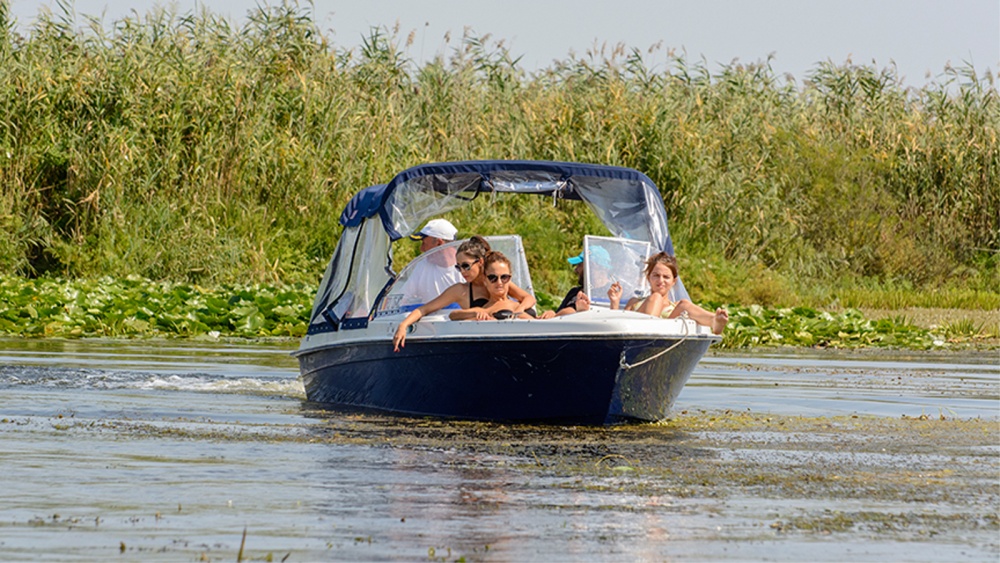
{"points": [[661, 273]]}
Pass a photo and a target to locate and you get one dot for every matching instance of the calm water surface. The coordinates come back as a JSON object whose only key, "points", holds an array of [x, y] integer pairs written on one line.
{"points": [[163, 451]]}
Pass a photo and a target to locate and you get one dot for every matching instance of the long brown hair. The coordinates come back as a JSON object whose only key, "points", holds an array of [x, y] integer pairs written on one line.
{"points": [[661, 258]]}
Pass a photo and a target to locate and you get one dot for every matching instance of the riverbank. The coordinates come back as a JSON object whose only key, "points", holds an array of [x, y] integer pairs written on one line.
{"points": [[931, 318], [980, 328], [137, 308]]}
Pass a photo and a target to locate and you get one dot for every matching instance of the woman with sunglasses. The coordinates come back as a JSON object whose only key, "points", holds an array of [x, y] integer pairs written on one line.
{"points": [[471, 296], [500, 304], [469, 262]]}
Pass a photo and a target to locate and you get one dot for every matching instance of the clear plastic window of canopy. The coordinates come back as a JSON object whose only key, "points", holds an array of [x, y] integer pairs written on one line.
{"points": [[607, 260]]}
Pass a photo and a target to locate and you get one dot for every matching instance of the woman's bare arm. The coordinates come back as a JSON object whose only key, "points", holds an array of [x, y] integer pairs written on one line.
{"points": [[524, 299], [449, 296], [475, 313]]}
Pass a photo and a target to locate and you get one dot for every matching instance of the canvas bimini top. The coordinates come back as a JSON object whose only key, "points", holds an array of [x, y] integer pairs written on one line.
{"points": [[360, 271]]}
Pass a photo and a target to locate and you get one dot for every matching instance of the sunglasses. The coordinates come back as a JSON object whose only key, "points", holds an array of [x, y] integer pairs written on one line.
{"points": [[493, 278], [465, 266]]}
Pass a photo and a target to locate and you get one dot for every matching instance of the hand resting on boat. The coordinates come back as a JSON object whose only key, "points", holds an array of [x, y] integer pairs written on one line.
{"points": [[454, 294]]}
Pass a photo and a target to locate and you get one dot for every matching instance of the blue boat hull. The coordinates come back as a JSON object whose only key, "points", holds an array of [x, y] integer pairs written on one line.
{"points": [[579, 380]]}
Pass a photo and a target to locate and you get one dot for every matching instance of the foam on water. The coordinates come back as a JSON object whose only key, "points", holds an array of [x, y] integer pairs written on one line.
{"points": [[284, 387], [114, 379], [251, 370]]}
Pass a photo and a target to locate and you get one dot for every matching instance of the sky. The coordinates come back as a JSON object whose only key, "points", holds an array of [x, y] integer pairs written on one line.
{"points": [[920, 37]]}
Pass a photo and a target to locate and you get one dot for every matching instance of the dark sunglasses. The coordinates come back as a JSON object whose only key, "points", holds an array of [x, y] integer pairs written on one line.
{"points": [[493, 278], [465, 266]]}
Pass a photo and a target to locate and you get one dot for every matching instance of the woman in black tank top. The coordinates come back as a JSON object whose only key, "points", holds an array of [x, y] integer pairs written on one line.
{"points": [[481, 302]]}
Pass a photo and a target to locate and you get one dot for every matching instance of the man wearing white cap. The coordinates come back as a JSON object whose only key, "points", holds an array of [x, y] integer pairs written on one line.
{"points": [[436, 272]]}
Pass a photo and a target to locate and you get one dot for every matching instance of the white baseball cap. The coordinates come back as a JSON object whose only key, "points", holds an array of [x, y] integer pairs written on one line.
{"points": [[437, 228]]}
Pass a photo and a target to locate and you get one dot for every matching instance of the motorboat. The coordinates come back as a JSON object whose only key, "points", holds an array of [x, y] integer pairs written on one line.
{"points": [[598, 366]]}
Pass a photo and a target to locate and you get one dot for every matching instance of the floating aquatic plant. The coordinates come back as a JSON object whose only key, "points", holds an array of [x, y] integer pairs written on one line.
{"points": [[803, 326], [135, 307]]}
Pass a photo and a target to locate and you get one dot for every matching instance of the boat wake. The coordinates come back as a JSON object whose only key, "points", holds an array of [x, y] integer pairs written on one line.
{"points": [[101, 379]]}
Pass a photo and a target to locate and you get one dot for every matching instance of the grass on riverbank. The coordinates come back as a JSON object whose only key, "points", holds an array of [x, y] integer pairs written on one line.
{"points": [[134, 307]]}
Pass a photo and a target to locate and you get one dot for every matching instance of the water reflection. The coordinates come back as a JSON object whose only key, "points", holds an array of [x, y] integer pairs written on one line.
{"points": [[499, 488]]}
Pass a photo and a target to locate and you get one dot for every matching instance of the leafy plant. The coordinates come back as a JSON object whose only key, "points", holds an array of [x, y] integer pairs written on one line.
{"points": [[802, 326], [138, 307]]}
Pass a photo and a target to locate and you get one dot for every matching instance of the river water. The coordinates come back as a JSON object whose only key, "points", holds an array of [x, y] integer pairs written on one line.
{"points": [[166, 451]]}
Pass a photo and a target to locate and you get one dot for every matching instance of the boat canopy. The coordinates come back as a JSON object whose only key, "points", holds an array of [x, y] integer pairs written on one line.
{"points": [[360, 271]]}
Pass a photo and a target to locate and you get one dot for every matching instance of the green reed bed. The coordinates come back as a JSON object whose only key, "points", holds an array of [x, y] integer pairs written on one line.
{"points": [[188, 148]]}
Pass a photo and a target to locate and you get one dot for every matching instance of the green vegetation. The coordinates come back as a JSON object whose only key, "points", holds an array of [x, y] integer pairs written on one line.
{"points": [[801, 326], [135, 307], [185, 148]]}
